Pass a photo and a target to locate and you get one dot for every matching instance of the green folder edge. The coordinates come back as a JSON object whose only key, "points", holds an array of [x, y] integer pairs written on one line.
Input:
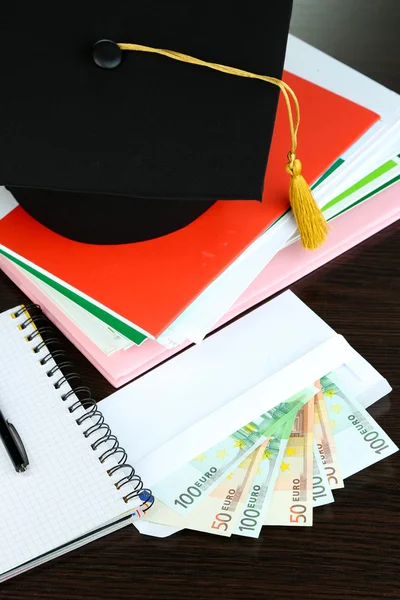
{"points": [[138, 337]]}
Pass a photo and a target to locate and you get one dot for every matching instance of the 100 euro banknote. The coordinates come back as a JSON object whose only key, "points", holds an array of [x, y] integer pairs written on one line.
{"points": [[360, 441], [186, 488], [219, 510], [322, 492], [325, 441], [292, 500], [255, 506]]}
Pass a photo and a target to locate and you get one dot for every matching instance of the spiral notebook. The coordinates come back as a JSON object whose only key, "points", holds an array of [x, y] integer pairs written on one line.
{"points": [[78, 484]]}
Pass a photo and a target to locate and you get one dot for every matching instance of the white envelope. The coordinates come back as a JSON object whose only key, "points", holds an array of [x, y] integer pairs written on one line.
{"points": [[201, 396]]}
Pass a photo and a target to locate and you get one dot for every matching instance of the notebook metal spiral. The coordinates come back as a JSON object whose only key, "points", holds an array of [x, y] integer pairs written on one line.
{"points": [[63, 373]]}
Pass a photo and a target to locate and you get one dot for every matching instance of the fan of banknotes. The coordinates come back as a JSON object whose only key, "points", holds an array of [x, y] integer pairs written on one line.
{"points": [[276, 469]]}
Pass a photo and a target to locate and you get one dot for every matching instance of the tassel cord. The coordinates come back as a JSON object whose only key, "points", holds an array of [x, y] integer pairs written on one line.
{"points": [[287, 92], [310, 221]]}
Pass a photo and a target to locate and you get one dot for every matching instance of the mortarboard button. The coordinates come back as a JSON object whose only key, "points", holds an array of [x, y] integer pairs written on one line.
{"points": [[107, 54]]}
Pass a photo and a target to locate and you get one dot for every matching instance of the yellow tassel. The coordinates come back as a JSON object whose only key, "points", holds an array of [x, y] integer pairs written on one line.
{"points": [[311, 223]]}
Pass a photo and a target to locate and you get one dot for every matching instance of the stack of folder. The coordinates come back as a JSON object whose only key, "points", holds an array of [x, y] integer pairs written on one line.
{"points": [[128, 307]]}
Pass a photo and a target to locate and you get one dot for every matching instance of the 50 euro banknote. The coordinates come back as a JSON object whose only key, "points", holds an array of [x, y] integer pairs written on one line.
{"points": [[187, 487], [256, 505], [292, 499]]}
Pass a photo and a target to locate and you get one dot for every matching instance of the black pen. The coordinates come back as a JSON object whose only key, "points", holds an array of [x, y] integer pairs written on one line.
{"points": [[13, 444]]}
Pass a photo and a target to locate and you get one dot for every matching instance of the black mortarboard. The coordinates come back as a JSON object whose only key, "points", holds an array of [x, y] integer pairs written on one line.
{"points": [[111, 155]]}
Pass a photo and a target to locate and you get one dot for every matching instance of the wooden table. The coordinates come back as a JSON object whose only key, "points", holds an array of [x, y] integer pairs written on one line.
{"points": [[353, 549]]}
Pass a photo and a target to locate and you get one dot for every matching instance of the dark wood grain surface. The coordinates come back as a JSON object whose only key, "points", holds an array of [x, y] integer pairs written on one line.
{"points": [[353, 549]]}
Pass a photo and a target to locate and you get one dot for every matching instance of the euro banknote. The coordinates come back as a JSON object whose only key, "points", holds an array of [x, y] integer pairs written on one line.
{"points": [[187, 487], [322, 492], [255, 506], [325, 441], [292, 500], [219, 510], [360, 441]]}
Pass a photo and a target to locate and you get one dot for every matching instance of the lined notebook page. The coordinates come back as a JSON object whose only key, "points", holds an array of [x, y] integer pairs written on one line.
{"points": [[66, 491]]}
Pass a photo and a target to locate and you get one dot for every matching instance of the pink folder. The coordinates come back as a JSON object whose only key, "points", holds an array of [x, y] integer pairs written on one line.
{"points": [[289, 265]]}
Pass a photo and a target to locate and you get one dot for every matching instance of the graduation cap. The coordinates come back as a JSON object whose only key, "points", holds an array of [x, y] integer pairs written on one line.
{"points": [[125, 121]]}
